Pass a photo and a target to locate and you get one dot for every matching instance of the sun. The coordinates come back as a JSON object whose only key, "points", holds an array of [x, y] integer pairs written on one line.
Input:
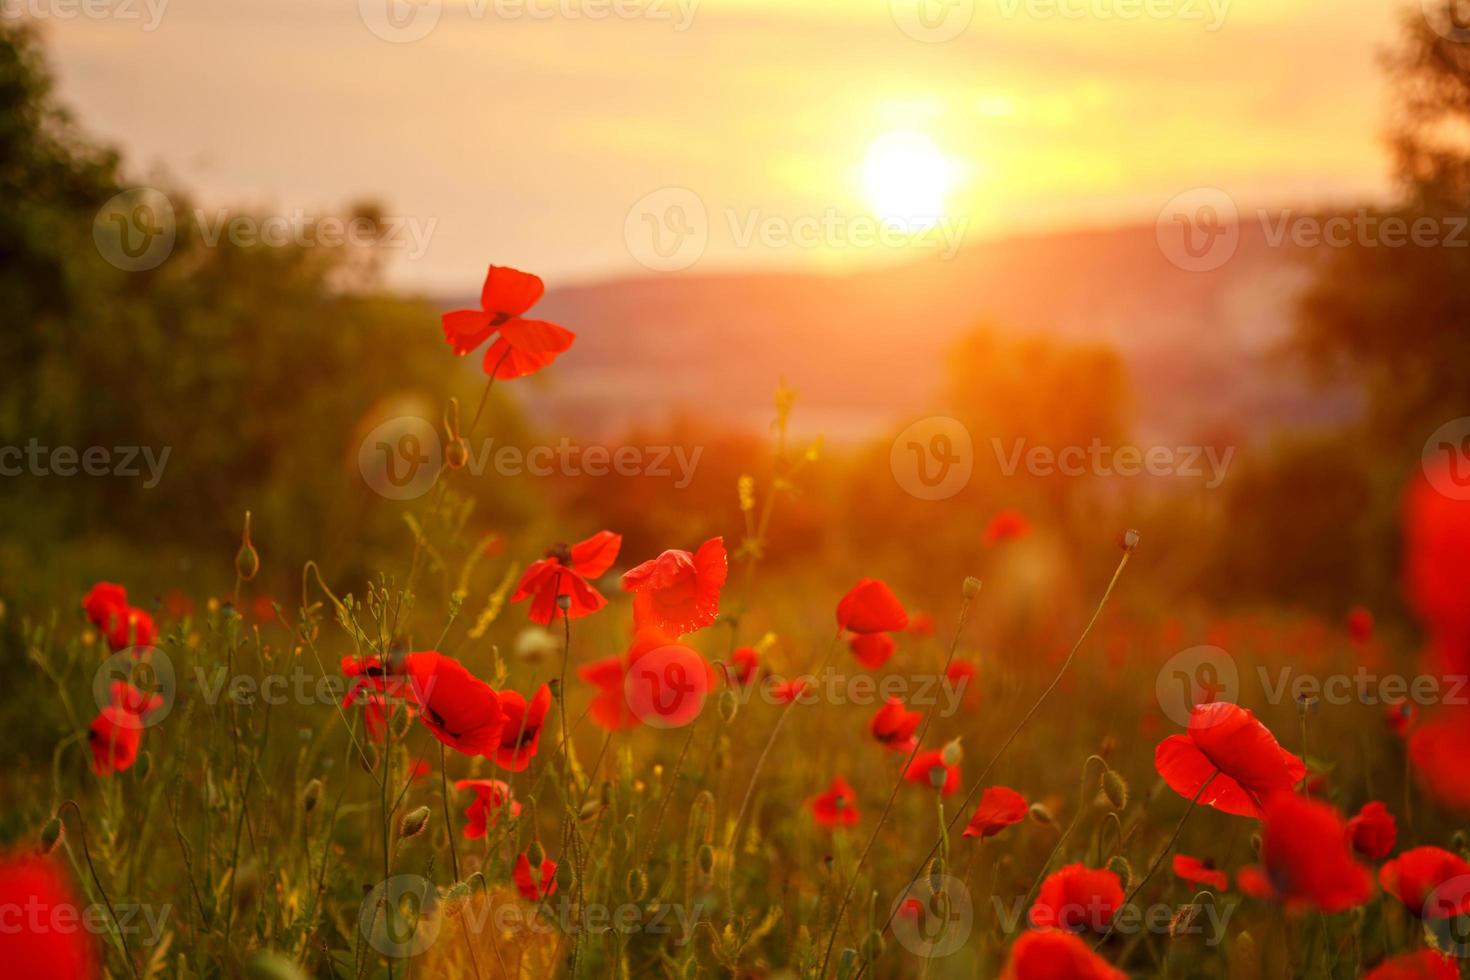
{"points": [[907, 176]]}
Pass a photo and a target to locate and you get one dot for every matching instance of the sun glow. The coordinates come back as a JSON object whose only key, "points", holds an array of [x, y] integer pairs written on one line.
{"points": [[907, 176]]}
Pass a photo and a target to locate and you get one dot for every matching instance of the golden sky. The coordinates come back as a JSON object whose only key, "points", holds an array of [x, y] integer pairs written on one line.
{"points": [[533, 132]]}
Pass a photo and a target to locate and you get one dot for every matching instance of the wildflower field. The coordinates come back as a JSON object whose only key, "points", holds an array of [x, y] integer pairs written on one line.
{"points": [[330, 705]]}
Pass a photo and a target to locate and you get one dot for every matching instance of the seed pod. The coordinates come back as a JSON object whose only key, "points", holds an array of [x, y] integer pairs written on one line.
{"points": [[729, 705], [312, 795], [953, 753], [414, 822], [1129, 541], [247, 560], [1115, 789], [51, 835], [1119, 866], [972, 587]]}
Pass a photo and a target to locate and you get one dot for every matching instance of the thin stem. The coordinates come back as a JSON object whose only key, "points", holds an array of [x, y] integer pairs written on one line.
{"points": [[448, 823], [87, 854], [1173, 838], [892, 795], [485, 398], [979, 783]]}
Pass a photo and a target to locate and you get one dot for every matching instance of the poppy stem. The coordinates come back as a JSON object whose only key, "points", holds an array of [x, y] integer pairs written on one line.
{"points": [[87, 854], [1066, 834], [448, 824], [893, 794], [1178, 829], [979, 783], [485, 398]]}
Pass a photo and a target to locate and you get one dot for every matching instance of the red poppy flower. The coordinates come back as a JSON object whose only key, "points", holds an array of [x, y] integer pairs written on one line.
{"points": [[113, 737], [524, 346], [871, 607], [743, 664], [534, 886], [1440, 753], [564, 572], [1077, 897], [872, 649], [785, 692], [610, 708], [1373, 831], [1252, 881], [921, 624], [45, 935], [1007, 525], [492, 798], [133, 701], [1414, 876], [1000, 807], [1399, 717], [1233, 752], [1307, 858], [921, 770], [1423, 965], [960, 676], [1359, 623], [894, 725], [521, 733], [129, 626], [1052, 955], [101, 601], [1197, 872], [679, 592], [418, 770], [460, 710], [837, 807], [1437, 566], [381, 698]]}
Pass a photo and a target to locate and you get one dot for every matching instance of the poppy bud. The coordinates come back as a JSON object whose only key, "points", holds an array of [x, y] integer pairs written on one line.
{"points": [[247, 562], [563, 602], [414, 822], [952, 754], [972, 587], [846, 963], [873, 946], [456, 454], [311, 795], [636, 884], [554, 685], [705, 858], [535, 854], [270, 965], [566, 877], [51, 835], [590, 809], [1457, 841], [1119, 866], [729, 705], [1256, 843], [1129, 541], [1040, 814], [1115, 789], [938, 776], [936, 874]]}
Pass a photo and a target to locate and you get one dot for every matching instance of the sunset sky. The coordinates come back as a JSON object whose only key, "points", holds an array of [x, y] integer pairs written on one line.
{"points": [[794, 124]]}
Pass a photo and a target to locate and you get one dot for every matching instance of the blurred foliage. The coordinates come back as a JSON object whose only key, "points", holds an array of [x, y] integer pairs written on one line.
{"points": [[258, 367]]}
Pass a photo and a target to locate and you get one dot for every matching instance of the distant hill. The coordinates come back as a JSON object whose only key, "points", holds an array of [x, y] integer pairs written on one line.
{"points": [[867, 350]]}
